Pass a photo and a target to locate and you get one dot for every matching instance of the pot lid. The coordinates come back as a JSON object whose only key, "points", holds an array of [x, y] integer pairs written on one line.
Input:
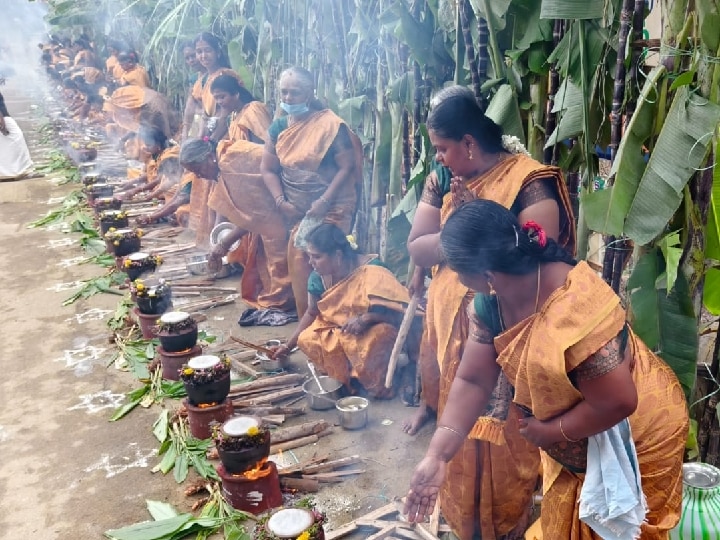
{"points": [[239, 425], [290, 522], [204, 361], [701, 475], [110, 213], [174, 317], [138, 256]]}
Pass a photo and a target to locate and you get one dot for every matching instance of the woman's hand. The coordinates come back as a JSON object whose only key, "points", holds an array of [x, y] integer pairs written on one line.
{"points": [[356, 326], [425, 485], [289, 212], [145, 220], [279, 352], [459, 192], [541, 434], [318, 209], [215, 257]]}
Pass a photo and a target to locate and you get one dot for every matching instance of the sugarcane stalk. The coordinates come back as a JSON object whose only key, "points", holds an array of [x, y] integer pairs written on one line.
{"points": [[337, 17], [407, 166], [550, 153], [465, 10]]}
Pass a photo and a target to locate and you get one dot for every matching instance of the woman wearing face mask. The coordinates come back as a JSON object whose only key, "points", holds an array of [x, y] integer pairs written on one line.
{"points": [[312, 166], [474, 163]]}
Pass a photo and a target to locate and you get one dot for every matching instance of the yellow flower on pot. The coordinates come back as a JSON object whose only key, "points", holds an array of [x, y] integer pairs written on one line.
{"points": [[188, 371], [253, 430], [116, 243], [304, 536], [139, 232], [112, 229], [127, 263]]}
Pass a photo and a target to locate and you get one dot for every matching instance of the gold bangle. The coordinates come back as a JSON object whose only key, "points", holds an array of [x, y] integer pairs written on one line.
{"points": [[455, 431], [568, 439]]}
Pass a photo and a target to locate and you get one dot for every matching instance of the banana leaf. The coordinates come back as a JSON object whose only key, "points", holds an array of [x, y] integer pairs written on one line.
{"points": [[665, 322], [572, 9], [505, 111], [569, 102], [606, 210]]}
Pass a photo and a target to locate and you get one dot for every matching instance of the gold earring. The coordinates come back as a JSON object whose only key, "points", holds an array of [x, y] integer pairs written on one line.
{"points": [[469, 154], [493, 292]]}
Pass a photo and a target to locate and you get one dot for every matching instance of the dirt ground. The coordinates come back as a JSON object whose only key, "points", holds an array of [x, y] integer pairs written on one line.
{"points": [[67, 472]]}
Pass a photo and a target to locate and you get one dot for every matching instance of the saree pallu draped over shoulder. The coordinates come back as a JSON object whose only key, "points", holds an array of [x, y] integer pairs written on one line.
{"points": [[301, 149], [536, 355], [489, 486], [342, 355]]}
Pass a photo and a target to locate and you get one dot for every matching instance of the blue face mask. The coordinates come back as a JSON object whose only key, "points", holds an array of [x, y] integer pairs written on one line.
{"points": [[294, 109]]}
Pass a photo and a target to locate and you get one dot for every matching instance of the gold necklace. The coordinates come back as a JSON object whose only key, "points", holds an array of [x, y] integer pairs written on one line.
{"points": [[537, 301]]}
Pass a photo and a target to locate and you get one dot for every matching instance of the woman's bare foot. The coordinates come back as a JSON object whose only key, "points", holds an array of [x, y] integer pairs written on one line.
{"points": [[423, 415]]}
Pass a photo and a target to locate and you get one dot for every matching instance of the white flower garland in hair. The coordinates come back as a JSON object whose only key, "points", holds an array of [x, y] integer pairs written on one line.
{"points": [[513, 145]]}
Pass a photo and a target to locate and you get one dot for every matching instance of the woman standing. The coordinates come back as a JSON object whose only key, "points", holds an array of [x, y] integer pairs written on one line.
{"points": [[551, 345], [15, 159], [312, 166], [473, 162]]}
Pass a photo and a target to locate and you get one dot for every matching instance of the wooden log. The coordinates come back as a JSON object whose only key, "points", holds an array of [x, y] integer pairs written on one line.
{"points": [[434, 520], [352, 526], [265, 411], [333, 476], [297, 443], [333, 464], [270, 398], [266, 382], [298, 467], [275, 419], [239, 366], [383, 533], [296, 432], [425, 534], [300, 484]]}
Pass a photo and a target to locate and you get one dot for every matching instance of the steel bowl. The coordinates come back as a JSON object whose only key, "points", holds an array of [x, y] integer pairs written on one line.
{"points": [[322, 401], [197, 265], [266, 364], [353, 412]]}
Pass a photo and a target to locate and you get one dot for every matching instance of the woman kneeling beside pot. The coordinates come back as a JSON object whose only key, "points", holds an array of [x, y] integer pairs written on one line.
{"points": [[355, 306]]}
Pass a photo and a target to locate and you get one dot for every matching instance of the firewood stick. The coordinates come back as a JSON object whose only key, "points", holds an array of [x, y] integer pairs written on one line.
{"points": [[383, 533], [434, 520], [270, 398], [295, 432], [333, 464], [301, 484], [323, 480], [239, 366], [267, 382], [400, 340], [421, 529], [275, 419], [265, 411], [348, 528], [299, 467], [335, 474], [295, 443]]}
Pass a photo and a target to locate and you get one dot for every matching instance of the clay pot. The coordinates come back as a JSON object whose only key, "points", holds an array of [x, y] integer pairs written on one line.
{"points": [[109, 220], [83, 155], [146, 323], [90, 178], [154, 305], [178, 340], [134, 272], [172, 362], [125, 246], [201, 419], [241, 459], [100, 204], [212, 392]]}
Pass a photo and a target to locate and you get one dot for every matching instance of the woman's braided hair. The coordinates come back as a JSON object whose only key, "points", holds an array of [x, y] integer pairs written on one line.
{"points": [[483, 236]]}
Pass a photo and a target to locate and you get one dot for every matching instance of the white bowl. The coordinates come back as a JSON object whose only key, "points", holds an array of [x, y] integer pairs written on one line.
{"points": [[204, 361], [220, 231], [239, 425], [174, 317]]}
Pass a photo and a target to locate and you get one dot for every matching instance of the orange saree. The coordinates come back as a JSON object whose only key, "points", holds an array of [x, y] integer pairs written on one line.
{"points": [[574, 323], [301, 149], [488, 487], [342, 355], [241, 196], [137, 76]]}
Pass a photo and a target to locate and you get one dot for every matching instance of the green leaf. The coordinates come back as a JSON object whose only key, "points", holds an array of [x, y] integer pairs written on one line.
{"points": [[569, 102], [683, 79], [150, 530], [711, 291], [497, 11], [708, 15], [167, 462], [150, 351], [606, 210], [135, 397], [160, 510], [160, 427], [680, 150], [672, 251], [572, 9], [665, 322], [181, 468], [504, 110]]}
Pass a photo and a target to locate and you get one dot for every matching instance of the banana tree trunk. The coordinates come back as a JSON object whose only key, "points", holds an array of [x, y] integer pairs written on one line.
{"points": [[465, 9]]}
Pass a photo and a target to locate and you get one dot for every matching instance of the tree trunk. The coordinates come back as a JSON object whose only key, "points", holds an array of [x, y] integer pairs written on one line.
{"points": [[465, 10]]}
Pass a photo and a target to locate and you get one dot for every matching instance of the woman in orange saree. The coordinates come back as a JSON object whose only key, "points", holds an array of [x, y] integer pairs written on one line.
{"points": [[240, 196], [489, 488], [312, 166], [551, 346], [355, 306], [132, 72], [211, 54]]}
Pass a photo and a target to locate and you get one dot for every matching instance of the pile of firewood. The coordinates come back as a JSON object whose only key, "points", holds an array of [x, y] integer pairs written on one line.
{"points": [[307, 476]]}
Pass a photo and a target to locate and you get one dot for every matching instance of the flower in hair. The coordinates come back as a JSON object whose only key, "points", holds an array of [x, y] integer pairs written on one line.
{"points": [[513, 145], [206, 138], [351, 240], [535, 232]]}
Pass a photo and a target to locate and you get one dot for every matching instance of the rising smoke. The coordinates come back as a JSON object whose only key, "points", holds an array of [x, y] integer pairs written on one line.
{"points": [[23, 27]]}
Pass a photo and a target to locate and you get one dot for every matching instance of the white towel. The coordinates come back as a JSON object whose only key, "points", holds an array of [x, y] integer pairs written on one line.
{"points": [[612, 502]]}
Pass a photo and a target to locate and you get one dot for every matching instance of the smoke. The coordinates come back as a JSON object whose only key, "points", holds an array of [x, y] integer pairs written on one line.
{"points": [[23, 28]]}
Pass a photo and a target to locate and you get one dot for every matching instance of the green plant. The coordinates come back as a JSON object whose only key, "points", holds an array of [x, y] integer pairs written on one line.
{"points": [[180, 450]]}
